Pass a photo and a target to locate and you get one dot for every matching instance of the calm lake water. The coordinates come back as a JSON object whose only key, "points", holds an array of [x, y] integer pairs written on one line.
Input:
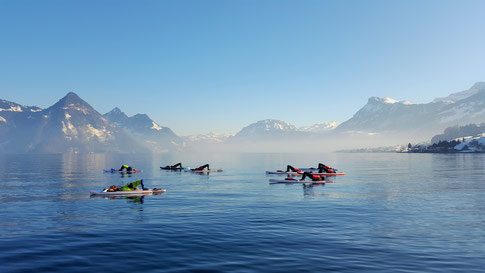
{"points": [[389, 213]]}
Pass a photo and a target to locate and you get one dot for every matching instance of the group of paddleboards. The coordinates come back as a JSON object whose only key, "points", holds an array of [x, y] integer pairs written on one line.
{"points": [[137, 187], [315, 175]]}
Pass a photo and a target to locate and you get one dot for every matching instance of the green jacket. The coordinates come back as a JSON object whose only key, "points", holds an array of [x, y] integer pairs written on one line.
{"points": [[131, 186]]}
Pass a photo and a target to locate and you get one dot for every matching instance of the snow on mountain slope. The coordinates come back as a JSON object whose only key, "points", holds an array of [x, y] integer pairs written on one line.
{"points": [[463, 94], [319, 127]]}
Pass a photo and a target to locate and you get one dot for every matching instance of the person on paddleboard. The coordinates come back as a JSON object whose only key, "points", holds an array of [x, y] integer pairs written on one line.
{"points": [[312, 176], [133, 186], [127, 168], [202, 167], [175, 166], [292, 169], [322, 168]]}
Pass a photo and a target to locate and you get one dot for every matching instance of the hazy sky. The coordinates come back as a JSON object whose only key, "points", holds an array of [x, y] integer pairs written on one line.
{"points": [[201, 66]]}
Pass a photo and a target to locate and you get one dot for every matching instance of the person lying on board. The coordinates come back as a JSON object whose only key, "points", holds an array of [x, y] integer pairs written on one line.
{"points": [[127, 168], [133, 186], [322, 168], [202, 167], [292, 169], [312, 176], [178, 165]]}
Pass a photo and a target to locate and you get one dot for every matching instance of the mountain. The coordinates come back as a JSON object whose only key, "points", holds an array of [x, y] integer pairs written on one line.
{"points": [[319, 127], [267, 129], [402, 119], [208, 138], [72, 124], [149, 133], [463, 94], [14, 118]]}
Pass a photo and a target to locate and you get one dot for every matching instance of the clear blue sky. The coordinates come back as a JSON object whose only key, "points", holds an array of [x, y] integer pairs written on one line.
{"points": [[200, 66]]}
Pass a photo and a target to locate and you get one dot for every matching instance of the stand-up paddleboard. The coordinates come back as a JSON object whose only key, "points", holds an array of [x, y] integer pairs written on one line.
{"points": [[298, 173], [171, 168], [294, 181], [123, 171], [202, 171], [137, 192]]}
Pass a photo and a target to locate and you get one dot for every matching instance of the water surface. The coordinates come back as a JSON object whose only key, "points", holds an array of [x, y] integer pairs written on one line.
{"points": [[390, 213]]}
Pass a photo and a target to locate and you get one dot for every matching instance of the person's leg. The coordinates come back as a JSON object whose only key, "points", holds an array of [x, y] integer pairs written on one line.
{"points": [[305, 175]]}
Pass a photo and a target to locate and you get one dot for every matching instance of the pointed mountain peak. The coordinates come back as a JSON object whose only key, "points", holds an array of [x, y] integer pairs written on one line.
{"points": [[72, 99], [115, 112], [72, 102]]}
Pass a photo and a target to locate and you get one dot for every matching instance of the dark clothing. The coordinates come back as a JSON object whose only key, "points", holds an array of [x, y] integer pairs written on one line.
{"points": [[293, 169], [325, 169], [176, 165], [202, 167], [312, 176], [128, 168]]}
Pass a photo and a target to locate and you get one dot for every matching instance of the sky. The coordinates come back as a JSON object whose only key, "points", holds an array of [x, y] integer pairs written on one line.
{"points": [[218, 66]]}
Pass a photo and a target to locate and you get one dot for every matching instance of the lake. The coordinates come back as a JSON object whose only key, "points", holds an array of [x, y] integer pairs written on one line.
{"points": [[389, 213]]}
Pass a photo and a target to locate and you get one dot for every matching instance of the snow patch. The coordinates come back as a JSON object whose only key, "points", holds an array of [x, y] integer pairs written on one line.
{"points": [[156, 126], [67, 116], [472, 144], [2, 119], [69, 130], [101, 134], [35, 110], [320, 127], [74, 107], [12, 109], [389, 100]]}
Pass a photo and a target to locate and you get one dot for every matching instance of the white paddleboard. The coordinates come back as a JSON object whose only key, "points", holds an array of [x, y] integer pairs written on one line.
{"points": [[296, 173], [202, 171], [294, 181]]}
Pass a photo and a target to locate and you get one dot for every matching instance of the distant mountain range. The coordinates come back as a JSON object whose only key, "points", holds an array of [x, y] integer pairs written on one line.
{"points": [[418, 121], [145, 130], [73, 125]]}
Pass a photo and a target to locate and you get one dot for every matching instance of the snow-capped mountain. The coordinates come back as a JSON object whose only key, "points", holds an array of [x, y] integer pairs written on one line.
{"points": [[73, 125], [268, 128], [421, 121], [208, 138], [319, 127], [69, 125], [140, 126], [463, 94], [15, 118]]}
